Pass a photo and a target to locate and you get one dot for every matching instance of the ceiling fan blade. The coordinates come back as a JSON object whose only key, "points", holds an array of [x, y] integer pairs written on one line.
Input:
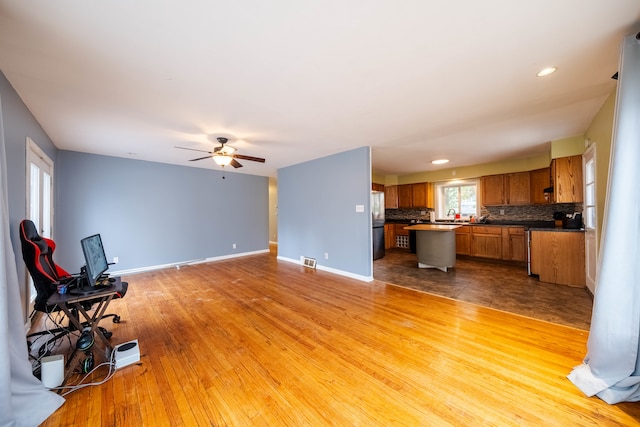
{"points": [[235, 163], [200, 158], [251, 158], [193, 149]]}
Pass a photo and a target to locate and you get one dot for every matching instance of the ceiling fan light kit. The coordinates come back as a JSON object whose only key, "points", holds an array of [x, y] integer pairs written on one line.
{"points": [[222, 160], [224, 155]]}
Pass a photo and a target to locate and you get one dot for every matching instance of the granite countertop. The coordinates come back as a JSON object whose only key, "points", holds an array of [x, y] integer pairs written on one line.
{"points": [[433, 227], [525, 224], [581, 230]]}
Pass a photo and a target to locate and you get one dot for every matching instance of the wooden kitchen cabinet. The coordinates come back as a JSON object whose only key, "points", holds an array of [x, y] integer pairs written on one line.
{"points": [[389, 236], [391, 197], [405, 196], [518, 188], [486, 241], [540, 179], [558, 257], [463, 240], [492, 190], [377, 187], [401, 236], [506, 189], [420, 195], [566, 173], [414, 195], [400, 231], [514, 247]]}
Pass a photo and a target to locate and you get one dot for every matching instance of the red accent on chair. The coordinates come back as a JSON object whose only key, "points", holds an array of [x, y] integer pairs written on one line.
{"points": [[37, 253]]}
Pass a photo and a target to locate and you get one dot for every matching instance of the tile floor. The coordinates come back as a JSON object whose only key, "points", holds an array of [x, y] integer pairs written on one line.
{"points": [[501, 286]]}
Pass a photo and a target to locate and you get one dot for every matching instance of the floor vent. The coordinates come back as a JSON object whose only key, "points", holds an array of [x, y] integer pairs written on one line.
{"points": [[309, 262]]}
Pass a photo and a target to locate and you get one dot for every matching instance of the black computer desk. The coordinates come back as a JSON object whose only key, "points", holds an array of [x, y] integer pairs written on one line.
{"points": [[68, 302]]}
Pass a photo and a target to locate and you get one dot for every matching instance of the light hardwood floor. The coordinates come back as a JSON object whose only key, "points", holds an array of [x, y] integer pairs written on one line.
{"points": [[257, 342]]}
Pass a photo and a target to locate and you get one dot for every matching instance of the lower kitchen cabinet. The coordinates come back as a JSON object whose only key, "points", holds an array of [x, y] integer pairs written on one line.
{"points": [[496, 242], [486, 242], [401, 236], [558, 256], [514, 246], [463, 240], [389, 236]]}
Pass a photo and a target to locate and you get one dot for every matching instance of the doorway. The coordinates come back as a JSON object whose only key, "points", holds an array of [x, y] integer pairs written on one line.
{"points": [[39, 169], [590, 217]]}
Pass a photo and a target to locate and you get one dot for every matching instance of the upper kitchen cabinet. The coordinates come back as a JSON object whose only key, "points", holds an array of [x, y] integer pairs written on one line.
{"points": [[518, 186], [377, 187], [540, 180], [414, 195], [566, 173], [420, 193], [492, 190], [405, 196], [506, 189], [391, 197]]}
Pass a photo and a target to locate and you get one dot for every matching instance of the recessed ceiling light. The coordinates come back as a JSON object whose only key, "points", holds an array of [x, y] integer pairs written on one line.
{"points": [[440, 161], [546, 71]]}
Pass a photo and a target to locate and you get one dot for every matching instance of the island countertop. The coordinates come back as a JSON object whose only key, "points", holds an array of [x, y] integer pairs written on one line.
{"points": [[435, 245], [433, 227]]}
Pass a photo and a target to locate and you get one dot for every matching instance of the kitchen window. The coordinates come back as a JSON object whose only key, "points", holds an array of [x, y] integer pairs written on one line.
{"points": [[457, 197]]}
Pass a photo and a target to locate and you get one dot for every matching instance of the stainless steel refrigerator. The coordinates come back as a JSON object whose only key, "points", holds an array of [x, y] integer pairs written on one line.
{"points": [[377, 221]]}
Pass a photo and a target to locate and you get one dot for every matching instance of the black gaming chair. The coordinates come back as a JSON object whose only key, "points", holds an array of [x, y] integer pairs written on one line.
{"points": [[37, 253]]}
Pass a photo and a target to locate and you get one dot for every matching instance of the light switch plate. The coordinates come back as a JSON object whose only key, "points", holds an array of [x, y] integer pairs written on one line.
{"points": [[359, 208]]}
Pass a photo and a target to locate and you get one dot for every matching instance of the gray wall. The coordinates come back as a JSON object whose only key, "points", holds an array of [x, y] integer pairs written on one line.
{"points": [[150, 214], [19, 124], [317, 215]]}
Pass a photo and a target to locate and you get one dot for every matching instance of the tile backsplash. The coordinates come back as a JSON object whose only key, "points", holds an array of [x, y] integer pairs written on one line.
{"points": [[529, 212], [511, 212]]}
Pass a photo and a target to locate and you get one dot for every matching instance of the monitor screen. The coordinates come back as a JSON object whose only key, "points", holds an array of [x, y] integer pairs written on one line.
{"points": [[94, 257]]}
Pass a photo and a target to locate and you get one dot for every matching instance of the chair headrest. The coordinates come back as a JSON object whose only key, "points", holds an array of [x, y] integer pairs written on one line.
{"points": [[29, 230]]}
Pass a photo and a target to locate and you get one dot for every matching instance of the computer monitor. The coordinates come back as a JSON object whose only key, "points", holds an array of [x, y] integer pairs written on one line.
{"points": [[94, 257]]}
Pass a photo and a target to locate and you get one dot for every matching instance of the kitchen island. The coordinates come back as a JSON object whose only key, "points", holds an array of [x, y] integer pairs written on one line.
{"points": [[435, 245]]}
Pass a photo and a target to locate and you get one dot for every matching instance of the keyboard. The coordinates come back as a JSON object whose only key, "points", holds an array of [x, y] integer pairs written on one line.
{"points": [[86, 290]]}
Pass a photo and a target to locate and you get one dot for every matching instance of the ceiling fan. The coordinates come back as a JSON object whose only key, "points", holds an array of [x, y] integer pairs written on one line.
{"points": [[224, 154]]}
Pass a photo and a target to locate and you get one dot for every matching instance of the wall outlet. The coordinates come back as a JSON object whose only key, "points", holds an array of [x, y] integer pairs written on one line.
{"points": [[501, 211], [115, 259], [234, 246], [326, 255]]}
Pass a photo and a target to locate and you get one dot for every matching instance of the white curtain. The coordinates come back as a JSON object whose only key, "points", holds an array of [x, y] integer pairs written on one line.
{"points": [[24, 401], [611, 369]]}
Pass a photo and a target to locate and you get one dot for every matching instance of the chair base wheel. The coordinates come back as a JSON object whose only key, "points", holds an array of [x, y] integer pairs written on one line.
{"points": [[116, 319]]}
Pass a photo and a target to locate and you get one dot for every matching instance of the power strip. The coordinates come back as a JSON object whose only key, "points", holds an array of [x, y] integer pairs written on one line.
{"points": [[127, 353]]}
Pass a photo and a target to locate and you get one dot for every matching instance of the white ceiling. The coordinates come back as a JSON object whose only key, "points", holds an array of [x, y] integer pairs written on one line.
{"points": [[294, 80]]}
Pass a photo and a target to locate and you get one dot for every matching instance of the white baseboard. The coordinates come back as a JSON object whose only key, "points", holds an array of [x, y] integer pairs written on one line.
{"points": [[330, 270], [183, 263]]}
